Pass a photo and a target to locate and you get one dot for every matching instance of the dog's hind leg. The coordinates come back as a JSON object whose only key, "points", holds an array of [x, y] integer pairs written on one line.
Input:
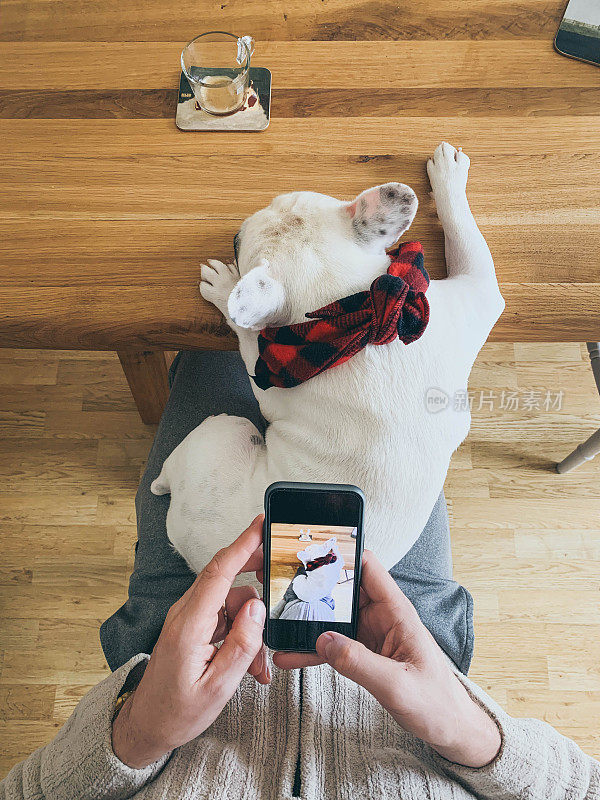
{"points": [[161, 484], [216, 477]]}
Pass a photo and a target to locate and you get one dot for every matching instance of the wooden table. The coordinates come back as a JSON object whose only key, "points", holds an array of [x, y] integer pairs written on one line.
{"points": [[107, 210]]}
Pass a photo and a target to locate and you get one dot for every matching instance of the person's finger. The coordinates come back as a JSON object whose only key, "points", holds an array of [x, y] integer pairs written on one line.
{"points": [[237, 652], [353, 660], [296, 660], [260, 668], [236, 598], [379, 586], [234, 601], [255, 562], [363, 598], [212, 585]]}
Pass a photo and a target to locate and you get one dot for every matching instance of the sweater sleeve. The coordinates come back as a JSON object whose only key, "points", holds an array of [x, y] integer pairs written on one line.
{"points": [[79, 762], [534, 762]]}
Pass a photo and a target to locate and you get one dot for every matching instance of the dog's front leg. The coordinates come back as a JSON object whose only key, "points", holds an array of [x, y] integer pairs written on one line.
{"points": [[471, 287], [467, 252], [217, 282]]}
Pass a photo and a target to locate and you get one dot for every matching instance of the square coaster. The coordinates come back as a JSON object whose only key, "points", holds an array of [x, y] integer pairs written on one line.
{"points": [[254, 115]]}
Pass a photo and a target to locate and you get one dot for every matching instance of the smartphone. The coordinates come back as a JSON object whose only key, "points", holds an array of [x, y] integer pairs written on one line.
{"points": [[313, 545], [579, 32]]}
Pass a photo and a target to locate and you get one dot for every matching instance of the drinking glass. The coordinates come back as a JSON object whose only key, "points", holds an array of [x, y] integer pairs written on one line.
{"points": [[217, 66]]}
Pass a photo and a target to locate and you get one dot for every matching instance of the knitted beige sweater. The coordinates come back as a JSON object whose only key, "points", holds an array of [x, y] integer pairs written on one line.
{"points": [[349, 748]]}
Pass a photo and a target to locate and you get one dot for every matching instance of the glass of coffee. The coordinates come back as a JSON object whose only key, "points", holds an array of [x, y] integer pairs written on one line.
{"points": [[217, 66]]}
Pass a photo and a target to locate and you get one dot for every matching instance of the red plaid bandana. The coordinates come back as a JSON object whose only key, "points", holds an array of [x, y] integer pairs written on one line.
{"points": [[394, 306], [328, 558]]}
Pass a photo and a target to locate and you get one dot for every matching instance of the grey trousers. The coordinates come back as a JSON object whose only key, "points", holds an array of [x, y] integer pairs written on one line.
{"points": [[207, 383]]}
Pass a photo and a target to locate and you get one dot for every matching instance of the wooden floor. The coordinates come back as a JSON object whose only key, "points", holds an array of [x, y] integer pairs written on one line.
{"points": [[526, 541]]}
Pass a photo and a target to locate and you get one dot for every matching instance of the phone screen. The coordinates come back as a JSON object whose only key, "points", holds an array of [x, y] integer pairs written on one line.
{"points": [[313, 551]]}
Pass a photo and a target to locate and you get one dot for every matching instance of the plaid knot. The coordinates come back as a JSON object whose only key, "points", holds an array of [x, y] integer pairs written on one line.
{"points": [[394, 306], [328, 558]]}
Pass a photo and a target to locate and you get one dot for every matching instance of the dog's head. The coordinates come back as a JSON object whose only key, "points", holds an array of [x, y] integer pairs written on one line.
{"points": [[306, 250], [318, 550]]}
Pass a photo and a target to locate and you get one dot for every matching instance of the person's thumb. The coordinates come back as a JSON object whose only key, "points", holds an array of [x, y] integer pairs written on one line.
{"points": [[355, 661], [238, 650]]}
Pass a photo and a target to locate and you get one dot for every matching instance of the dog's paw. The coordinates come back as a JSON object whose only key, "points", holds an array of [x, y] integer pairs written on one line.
{"points": [[257, 299], [216, 283], [448, 171]]}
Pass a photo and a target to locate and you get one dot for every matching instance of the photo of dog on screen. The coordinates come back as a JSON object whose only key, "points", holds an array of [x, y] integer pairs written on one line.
{"points": [[312, 572]]}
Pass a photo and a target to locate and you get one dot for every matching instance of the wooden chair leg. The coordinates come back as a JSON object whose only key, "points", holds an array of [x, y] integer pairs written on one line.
{"points": [[146, 373], [593, 349], [585, 452], [591, 447]]}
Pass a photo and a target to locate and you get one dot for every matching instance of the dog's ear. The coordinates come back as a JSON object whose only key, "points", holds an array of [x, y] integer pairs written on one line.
{"points": [[257, 299], [381, 215]]}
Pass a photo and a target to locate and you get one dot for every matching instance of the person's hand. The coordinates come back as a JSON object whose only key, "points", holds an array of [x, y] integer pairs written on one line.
{"points": [[397, 660], [188, 679]]}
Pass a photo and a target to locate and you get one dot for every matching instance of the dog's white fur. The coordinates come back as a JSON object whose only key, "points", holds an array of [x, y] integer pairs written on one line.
{"points": [[364, 422], [319, 582]]}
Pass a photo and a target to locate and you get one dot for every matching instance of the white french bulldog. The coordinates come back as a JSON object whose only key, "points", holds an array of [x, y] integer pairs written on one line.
{"points": [[319, 582], [363, 422]]}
